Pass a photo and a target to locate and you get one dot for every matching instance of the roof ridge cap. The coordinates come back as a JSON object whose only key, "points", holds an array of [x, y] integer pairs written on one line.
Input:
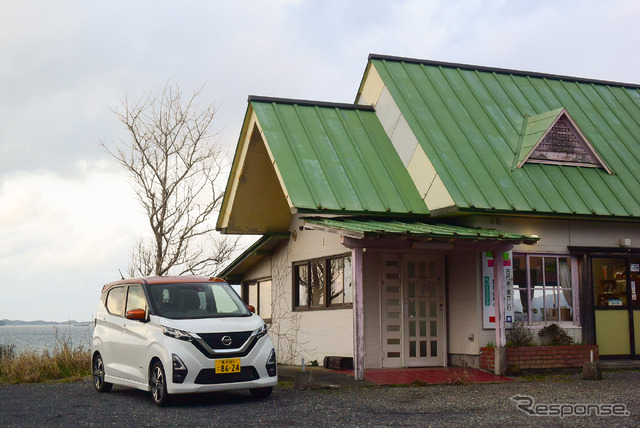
{"points": [[309, 103], [498, 70]]}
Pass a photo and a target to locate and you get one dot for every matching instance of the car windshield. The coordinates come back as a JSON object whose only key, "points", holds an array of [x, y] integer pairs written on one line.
{"points": [[204, 300]]}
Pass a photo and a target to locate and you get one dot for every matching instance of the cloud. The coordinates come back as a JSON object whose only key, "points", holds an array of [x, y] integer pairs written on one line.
{"points": [[67, 215], [59, 235]]}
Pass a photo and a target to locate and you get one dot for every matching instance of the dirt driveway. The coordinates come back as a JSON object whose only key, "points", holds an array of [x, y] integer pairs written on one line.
{"points": [[540, 403]]}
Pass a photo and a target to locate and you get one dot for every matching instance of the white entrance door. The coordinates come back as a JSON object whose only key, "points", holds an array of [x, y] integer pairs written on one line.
{"points": [[423, 313], [412, 311]]}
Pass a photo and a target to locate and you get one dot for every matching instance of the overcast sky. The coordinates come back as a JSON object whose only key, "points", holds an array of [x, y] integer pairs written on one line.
{"points": [[67, 215]]}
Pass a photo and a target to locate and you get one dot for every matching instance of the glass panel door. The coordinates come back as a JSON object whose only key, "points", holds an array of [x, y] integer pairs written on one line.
{"points": [[423, 315], [611, 306]]}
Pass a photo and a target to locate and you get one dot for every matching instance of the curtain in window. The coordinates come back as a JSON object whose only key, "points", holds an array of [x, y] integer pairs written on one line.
{"points": [[564, 273]]}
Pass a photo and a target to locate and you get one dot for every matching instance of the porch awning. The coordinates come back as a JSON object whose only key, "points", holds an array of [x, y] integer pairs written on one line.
{"points": [[362, 227], [252, 255]]}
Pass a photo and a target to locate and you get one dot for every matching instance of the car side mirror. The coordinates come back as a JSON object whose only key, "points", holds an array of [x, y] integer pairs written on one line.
{"points": [[137, 314], [252, 308]]}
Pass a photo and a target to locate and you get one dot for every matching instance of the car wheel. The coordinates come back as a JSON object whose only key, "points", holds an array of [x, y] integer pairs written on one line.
{"points": [[261, 393], [98, 375], [158, 383]]}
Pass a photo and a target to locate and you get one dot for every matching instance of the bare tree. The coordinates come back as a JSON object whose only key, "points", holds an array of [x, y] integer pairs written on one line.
{"points": [[142, 261], [175, 164]]}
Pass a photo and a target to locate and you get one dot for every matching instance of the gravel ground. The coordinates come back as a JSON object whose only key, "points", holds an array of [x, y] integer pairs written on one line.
{"points": [[77, 404]]}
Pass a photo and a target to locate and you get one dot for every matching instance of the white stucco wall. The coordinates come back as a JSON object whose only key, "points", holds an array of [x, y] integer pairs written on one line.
{"points": [[464, 311], [311, 334], [371, 302], [261, 270]]}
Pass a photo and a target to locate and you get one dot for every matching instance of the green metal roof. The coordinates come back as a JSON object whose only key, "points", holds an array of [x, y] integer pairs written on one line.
{"points": [[335, 157], [369, 226], [469, 122]]}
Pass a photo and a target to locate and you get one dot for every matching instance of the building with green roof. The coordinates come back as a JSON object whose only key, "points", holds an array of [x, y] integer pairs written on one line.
{"points": [[386, 223]]}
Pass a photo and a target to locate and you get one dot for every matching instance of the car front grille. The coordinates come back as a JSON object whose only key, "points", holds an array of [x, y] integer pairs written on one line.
{"points": [[210, 377], [214, 340]]}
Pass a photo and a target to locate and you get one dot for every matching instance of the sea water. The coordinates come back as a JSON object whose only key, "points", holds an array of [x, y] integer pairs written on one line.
{"points": [[39, 338]]}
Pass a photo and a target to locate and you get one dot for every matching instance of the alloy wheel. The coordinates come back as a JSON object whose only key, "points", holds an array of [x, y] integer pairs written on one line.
{"points": [[98, 375], [98, 372], [159, 385]]}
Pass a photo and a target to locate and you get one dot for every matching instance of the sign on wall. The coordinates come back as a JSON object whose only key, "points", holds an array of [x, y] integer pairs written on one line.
{"points": [[488, 292]]}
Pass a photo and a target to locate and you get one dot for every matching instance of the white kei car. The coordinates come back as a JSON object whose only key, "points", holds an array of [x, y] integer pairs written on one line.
{"points": [[173, 335]]}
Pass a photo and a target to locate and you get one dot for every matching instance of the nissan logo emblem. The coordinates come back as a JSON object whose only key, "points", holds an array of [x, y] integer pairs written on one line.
{"points": [[226, 341]]}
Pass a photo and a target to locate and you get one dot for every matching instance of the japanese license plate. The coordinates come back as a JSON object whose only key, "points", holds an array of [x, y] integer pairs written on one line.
{"points": [[229, 365]]}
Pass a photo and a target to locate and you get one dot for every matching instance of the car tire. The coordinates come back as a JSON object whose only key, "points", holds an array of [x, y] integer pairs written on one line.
{"points": [[261, 393], [97, 368], [158, 384]]}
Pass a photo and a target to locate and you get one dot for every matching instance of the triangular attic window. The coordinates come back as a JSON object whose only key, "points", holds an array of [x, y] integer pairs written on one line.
{"points": [[554, 138]]}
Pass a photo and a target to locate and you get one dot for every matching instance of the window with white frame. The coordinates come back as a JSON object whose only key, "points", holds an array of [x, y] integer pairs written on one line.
{"points": [[323, 283], [258, 295], [543, 289]]}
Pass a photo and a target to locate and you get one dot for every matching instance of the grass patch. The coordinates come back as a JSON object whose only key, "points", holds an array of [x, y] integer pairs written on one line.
{"points": [[459, 377], [550, 376], [64, 363]]}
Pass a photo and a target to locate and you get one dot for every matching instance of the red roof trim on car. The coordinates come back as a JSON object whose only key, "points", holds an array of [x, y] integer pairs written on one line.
{"points": [[162, 280]]}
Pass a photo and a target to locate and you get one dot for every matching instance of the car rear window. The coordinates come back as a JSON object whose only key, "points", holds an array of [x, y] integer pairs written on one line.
{"points": [[115, 299]]}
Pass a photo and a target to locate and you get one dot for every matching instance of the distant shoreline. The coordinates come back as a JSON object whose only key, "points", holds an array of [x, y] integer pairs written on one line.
{"points": [[6, 322]]}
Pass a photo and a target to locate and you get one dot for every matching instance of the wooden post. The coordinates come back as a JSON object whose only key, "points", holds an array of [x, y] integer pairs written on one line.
{"points": [[358, 314], [500, 365], [498, 291]]}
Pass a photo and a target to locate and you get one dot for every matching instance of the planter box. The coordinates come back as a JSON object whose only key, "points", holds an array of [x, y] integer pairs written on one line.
{"points": [[541, 357]]}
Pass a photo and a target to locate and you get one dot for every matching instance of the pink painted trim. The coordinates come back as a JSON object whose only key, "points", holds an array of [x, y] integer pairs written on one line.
{"points": [[358, 314], [575, 285], [498, 289]]}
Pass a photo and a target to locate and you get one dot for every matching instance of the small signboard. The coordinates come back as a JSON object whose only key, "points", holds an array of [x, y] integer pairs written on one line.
{"points": [[488, 293]]}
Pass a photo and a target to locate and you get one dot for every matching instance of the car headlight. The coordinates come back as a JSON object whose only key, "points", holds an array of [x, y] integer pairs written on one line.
{"points": [[262, 331], [272, 364], [176, 333], [179, 369]]}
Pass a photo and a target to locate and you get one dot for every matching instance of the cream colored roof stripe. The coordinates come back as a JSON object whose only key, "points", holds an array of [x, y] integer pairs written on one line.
{"points": [[424, 176]]}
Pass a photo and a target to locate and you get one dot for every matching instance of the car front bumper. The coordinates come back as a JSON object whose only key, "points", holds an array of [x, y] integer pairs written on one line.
{"points": [[201, 373]]}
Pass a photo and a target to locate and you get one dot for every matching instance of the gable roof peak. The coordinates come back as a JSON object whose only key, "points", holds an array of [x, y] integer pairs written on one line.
{"points": [[554, 138]]}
